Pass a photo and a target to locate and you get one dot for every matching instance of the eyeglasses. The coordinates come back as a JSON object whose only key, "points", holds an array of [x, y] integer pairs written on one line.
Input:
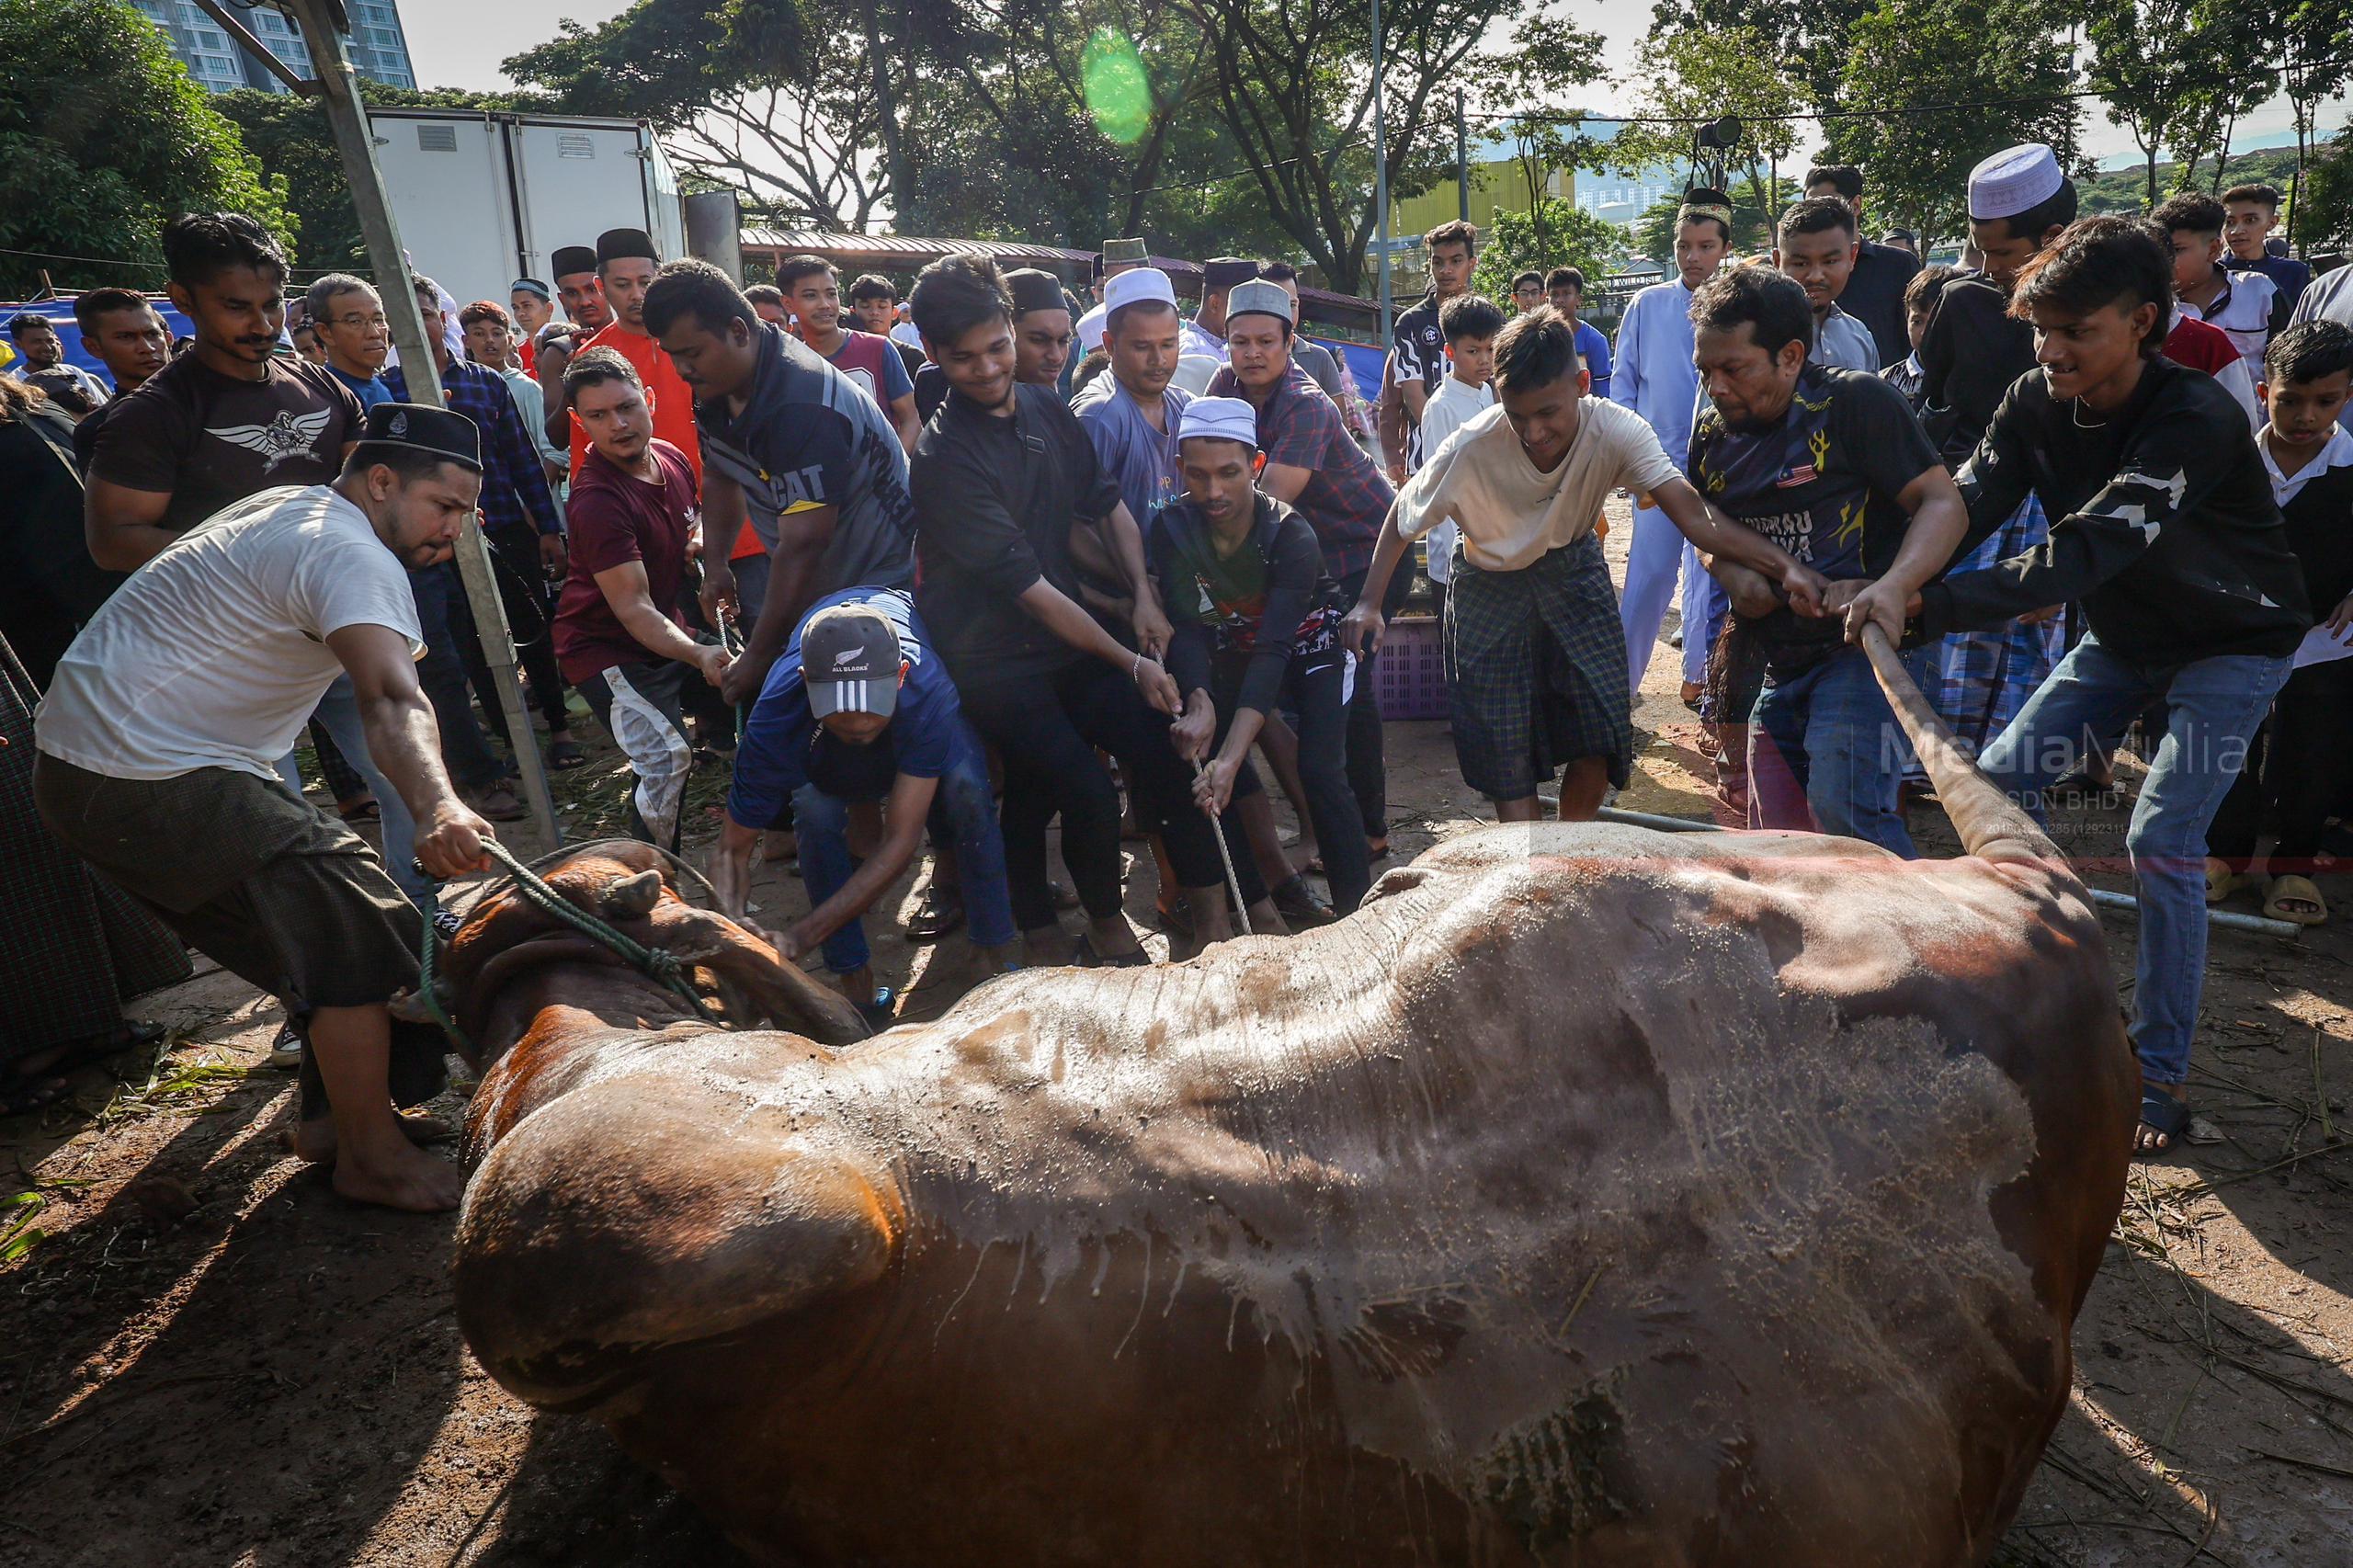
{"points": [[356, 323]]}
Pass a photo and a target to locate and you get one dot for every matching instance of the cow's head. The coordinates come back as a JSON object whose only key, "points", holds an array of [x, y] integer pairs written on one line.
{"points": [[500, 967]]}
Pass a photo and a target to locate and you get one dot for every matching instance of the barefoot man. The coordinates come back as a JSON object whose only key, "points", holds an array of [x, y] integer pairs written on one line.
{"points": [[159, 744]]}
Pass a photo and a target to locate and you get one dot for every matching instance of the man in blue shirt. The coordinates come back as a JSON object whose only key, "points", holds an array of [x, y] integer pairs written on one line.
{"points": [[1133, 414], [1564, 291], [1654, 377], [858, 712]]}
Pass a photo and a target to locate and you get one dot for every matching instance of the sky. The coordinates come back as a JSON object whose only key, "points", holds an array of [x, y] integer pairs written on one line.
{"points": [[458, 43]]}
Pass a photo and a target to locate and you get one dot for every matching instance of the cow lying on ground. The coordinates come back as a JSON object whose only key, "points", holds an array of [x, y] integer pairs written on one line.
{"points": [[1593, 1196]]}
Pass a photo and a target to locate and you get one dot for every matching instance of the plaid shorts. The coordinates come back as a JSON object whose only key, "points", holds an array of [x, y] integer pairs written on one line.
{"points": [[1536, 660]]}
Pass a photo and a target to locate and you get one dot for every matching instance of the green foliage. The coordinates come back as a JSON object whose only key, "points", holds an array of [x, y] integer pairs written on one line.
{"points": [[2173, 72], [1689, 75], [1753, 217], [1806, 41], [2125, 191], [1553, 233], [104, 138], [2325, 220], [1908, 52]]}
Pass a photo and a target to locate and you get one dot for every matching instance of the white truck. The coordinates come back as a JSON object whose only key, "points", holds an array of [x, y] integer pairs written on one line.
{"points": [[483, 198]]}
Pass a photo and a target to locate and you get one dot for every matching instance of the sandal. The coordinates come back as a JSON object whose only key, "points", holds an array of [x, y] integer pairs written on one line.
{"points": [[2291, 889], [362, 810], [2164, 1115], [936, 918], [1083, 955], [21, 1091], [2222, 881], [565, 755]]}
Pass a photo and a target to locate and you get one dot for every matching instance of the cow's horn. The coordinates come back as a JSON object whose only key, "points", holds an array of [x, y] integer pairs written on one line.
{"points": [[632, 896], [1992, 825]]}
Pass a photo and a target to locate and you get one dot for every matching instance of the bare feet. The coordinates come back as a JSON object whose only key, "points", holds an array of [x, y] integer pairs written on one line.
{"points": [[314, 1142], [404, 1177]]}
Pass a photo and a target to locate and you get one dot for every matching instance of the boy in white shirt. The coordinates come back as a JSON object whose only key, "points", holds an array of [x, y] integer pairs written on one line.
{"points": [[1470, 323]]}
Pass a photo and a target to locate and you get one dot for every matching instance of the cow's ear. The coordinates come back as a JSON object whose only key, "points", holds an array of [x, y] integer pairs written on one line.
{"points": [[778, 990]]}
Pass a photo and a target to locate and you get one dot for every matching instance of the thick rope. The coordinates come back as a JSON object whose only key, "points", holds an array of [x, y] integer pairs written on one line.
{"points": [[652, 962]]}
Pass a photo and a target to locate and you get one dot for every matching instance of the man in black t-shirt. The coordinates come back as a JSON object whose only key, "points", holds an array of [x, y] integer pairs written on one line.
{"points": [[1874, 291], [1000, 476], [1418, 345], [1831, 466], [226, 418], [2166, 532]]}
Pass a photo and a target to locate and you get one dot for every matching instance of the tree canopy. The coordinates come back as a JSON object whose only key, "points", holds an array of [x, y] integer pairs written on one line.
{"points": [[104, 141]]}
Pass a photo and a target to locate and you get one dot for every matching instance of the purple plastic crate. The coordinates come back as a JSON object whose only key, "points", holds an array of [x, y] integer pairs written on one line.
{"points": [[1409, 678]]}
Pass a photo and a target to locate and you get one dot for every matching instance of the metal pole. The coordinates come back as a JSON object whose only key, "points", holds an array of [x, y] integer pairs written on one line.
{"points": [[1463, 163], [355, 140], [1380, 180]]}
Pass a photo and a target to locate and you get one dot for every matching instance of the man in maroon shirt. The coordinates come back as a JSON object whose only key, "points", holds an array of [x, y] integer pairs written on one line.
{"points": [[633, 512], [813, 293]]}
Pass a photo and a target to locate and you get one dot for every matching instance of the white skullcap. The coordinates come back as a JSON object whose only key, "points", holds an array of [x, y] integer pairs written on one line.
{"points": [[1136, 285], [2014, 180], [1258, 297], [1220, 419]]}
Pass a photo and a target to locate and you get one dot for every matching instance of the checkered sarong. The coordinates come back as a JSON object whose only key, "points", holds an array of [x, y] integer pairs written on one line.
{"points": [[1984, 676], [74, 944], [1537, 662]]}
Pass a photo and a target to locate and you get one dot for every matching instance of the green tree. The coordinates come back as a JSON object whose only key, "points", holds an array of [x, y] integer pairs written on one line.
{"points": [[1807, 39], [1553, 234], [2326, 195], [104, 138], [1292, 88], [1696, 75], [2167, 69], [2317, 63], [2007, 53]]}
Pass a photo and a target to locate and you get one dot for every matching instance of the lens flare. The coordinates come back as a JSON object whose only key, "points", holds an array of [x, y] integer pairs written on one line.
{"points": [[1118, 92]]}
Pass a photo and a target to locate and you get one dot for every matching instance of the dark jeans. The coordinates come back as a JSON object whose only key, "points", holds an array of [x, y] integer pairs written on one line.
{"points": [[522, 591], [1368, 772], [441, 671], [1048, 730], [1310, 690], [2307, 764]]}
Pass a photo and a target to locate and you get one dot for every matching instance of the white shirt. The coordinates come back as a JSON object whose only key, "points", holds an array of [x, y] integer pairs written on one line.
{"points": [[2337, 453], [214, 652], [1453, 405], [1510, 512], [2242, 309]]}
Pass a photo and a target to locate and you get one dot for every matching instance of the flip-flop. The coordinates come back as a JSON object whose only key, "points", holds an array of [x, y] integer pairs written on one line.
{"points": [[1083, 955], [2291, 888], [565, 755], [2222, 881], [934, 919], [2165, 1116], [366, 810]]}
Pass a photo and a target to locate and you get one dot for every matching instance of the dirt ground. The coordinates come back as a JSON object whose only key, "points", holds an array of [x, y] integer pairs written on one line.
{"points": [[206, 1358]]}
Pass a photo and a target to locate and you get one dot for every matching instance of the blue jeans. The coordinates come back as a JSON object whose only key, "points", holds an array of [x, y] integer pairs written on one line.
{"points": [[962, 809], [1824, 753], [2212, 707], [339, 711]]}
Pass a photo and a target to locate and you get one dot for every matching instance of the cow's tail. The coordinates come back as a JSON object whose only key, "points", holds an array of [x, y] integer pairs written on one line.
{"points": [[1992, 825]]}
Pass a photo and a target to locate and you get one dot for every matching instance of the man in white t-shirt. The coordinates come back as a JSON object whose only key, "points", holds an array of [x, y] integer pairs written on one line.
{"points": [[159, 743], [1535, 655]]}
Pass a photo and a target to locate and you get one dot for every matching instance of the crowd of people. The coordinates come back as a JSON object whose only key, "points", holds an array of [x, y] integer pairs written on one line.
{"points": [[955, 569]]}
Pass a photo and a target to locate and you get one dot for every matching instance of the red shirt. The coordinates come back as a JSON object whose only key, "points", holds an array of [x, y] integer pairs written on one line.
{"points": [[615, 518], [2202, 347]]}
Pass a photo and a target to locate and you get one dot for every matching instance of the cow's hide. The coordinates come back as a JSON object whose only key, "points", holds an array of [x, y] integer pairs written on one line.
{"points": [[1593, 1196]]}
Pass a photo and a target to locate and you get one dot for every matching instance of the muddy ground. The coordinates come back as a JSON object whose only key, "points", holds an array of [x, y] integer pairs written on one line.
{"points": [[206, 1358]]}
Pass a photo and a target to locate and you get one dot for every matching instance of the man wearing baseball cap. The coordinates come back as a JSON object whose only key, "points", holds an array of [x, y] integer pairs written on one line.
{"points": [[858, 712], [159, 744]]}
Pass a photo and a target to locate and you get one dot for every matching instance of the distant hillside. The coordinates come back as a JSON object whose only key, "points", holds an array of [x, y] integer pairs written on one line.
{"points": [[2126, 189]]}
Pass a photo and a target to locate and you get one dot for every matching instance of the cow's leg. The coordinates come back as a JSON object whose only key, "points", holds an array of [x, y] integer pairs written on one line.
{"points": [[1855, 753], [2212, 707]]}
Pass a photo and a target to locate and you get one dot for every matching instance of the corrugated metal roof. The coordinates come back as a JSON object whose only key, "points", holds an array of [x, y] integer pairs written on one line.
{"points": [[903, 252]]}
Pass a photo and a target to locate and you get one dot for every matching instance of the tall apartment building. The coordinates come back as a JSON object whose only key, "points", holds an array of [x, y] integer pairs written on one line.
{"points": [[378, 48]]}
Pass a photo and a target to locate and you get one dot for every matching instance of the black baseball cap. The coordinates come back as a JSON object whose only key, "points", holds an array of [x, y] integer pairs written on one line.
{"points": [[850, 661], [425, 429]]}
